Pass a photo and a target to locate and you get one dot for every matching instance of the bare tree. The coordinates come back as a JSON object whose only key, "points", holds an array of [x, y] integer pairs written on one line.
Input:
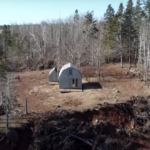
{"points": [[143, 61]]}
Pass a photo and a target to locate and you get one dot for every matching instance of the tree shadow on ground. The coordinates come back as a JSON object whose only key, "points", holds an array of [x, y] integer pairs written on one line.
{"points": [[91, 85]]}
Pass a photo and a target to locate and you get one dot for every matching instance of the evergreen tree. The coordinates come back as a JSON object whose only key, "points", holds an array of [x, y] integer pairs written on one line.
{"points": [[90, 31], [6, 40], [137, 15], [128, 31], [118, 27], [2, 64], [118, 21], [147, 10], [109, 27], [6, 34], [76, 16], [90, 24]]}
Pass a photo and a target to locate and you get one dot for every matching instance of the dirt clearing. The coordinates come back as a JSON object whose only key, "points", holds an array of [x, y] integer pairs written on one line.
{"points": [[43, 97]]}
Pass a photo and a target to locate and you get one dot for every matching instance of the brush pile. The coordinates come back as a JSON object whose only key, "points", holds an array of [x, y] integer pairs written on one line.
{"points": [[114, 126]]}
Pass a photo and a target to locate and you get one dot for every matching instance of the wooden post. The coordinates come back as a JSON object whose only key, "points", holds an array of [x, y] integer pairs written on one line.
{"points": [[26, 111], [7, 121]]}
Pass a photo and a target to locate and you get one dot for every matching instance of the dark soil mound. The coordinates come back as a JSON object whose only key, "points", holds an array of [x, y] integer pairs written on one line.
{"points": [[113, 126]]}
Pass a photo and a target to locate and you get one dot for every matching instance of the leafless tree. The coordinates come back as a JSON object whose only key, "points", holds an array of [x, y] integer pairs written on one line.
{"points": [[144, 50]]}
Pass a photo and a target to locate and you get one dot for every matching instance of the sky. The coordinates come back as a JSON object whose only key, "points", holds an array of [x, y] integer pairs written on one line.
{"points": [[35, 11]]}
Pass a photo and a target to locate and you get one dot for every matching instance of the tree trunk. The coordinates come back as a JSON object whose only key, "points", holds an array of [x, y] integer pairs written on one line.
{"points": [[129, 50]]}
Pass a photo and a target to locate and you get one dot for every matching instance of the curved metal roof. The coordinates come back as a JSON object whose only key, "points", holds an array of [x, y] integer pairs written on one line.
{"points": [[68, 65], [52, 70]]}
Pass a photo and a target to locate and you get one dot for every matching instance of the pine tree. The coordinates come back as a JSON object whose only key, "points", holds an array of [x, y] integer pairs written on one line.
{"points": [[90, 31], [137, 14], [119, 22], [90, 24], [76, 16], [147, 10], [2, 65], [128, 31], [6, 33], [6, 40], [109, 27]]}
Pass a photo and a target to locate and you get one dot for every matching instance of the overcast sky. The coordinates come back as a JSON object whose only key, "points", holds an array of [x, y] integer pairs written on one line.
{"points": [[35, 11]]}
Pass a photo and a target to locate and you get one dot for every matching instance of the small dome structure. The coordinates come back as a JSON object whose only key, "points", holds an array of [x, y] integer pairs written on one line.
{"points": [[53, 75], [70, 77]]}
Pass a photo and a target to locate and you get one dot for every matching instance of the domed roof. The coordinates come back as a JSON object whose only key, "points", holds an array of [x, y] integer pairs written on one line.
{"points": [[66, 66]]}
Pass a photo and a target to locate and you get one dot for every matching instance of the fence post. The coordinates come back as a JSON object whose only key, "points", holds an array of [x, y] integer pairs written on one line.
{"points": [[6, 120], [26, 111]]}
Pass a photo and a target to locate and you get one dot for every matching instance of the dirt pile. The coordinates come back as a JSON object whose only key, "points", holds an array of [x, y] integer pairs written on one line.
{"points": [[119, 126], [112, 126]]}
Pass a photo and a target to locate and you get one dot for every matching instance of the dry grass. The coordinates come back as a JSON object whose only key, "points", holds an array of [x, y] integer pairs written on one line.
{"points": [[43, 97]]}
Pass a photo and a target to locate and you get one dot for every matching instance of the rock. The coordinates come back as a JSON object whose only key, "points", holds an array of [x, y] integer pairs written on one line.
{"points": [[58, 106], [117, 91], [17, 78], [116, 100]]}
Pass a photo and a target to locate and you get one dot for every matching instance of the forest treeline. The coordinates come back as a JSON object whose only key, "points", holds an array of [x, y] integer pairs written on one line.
{"points": [[121, 36]]}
